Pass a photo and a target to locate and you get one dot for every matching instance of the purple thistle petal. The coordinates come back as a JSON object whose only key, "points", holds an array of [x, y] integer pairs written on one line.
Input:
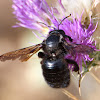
{"points": [[37, 36], [30, 12], [61, 4]]}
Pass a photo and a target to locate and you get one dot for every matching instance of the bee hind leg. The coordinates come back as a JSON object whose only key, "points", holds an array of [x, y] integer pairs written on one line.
{"points": [[76, 67]]}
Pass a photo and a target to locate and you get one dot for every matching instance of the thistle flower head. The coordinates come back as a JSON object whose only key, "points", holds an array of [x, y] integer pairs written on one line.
{"points": [[37, 14]]}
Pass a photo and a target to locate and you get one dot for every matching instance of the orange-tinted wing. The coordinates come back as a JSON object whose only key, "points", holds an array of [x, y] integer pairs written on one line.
{"points": [[23, 54]]}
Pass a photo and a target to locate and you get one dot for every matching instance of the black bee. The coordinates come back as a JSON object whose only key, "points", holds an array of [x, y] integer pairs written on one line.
{"points": [[54, 65]]}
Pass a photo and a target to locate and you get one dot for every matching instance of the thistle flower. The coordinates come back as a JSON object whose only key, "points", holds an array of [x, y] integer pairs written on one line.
{"points": [[32, 14]]}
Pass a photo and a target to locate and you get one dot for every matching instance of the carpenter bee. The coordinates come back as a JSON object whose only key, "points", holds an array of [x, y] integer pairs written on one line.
{"points": [[54, 65]]}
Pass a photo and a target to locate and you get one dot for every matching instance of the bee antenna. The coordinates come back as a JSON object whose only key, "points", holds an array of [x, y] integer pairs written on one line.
{"points": [[46, 25], [63, 20]]}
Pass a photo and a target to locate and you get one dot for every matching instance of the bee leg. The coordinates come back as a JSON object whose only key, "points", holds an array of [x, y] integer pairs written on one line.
{"points": [[76, 67], [70, 39], [41, 54]]}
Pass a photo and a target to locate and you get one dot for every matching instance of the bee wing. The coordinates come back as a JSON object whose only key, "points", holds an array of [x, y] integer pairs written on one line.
{"points": [[78, 48], [82, 49], [23, 54]]}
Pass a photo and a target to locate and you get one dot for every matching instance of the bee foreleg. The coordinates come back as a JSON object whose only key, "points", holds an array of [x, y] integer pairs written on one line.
{"points": [[41, 54], [70, 39]]}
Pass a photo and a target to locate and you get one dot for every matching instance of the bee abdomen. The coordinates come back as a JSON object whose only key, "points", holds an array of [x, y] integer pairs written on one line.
{"points": [[56, 72], [59, 79]]}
